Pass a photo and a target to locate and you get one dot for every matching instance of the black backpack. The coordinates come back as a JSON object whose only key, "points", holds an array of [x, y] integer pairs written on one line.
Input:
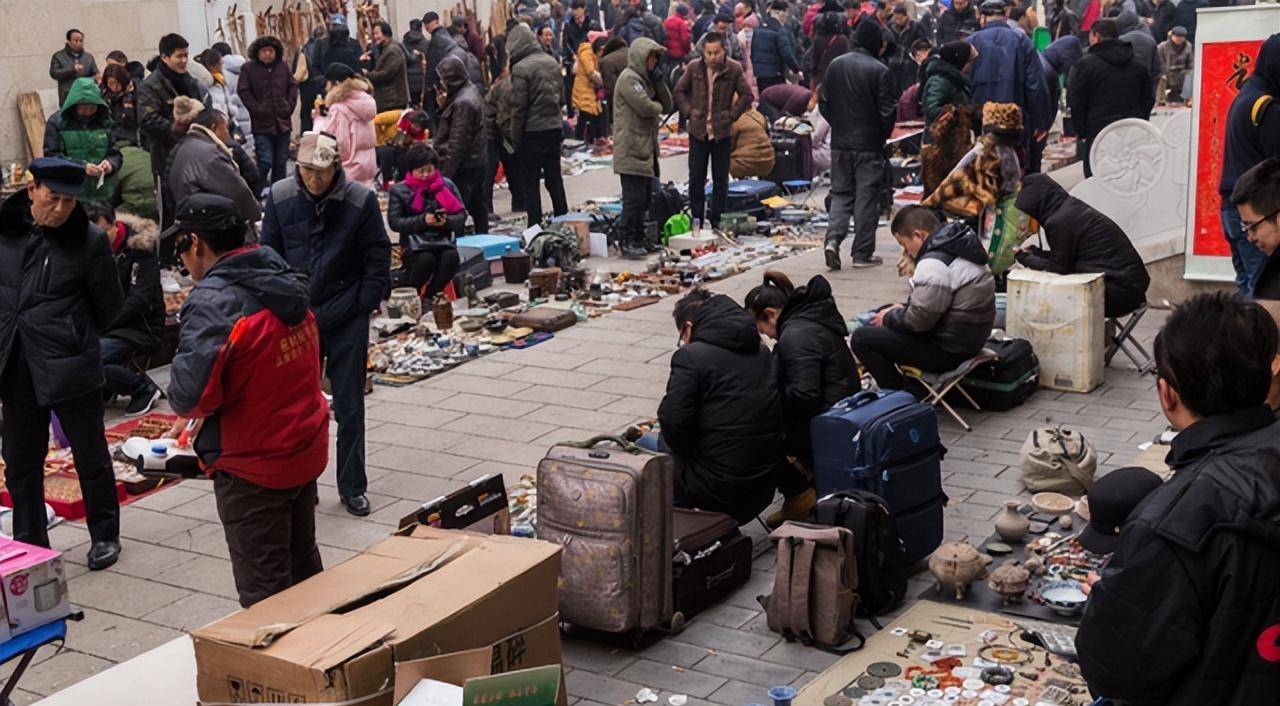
{"points": [[666, 203], [882, 566]]}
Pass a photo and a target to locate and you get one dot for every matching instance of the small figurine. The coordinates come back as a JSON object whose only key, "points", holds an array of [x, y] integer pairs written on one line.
{"points": [[1010, 581], [956, 565]]}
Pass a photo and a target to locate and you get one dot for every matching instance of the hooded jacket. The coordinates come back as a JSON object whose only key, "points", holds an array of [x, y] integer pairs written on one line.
{"points": [[612, 63], [351, 110], [586, 75], [858, 98], [389, 77], [1253, 121], [337, 48], [771, 51], [1008, 70], [155, 111], [953, 24], [141, 319], [713, 116], [1082, 239], [497, 118], [953, 295], [337, 240], [135, 184], [944, 85], [815, 367], [415, 51], [1108, 85], [1056, 60], [58, 292], [461, 121], [639, 102], [89, 141], [62, 68], [1134, 31], [248, 363], [1187, 610], [438, 47], [537, 87], [722, 414], [268, 91], [201, 163]]}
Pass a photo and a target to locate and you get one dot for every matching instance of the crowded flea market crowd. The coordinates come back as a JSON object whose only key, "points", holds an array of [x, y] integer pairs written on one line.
{"points": [[290, 189]]}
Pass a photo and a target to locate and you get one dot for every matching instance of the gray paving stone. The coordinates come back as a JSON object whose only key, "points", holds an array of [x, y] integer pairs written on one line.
{"points": [[548, 359], [635, 407], [675, 653], [751, 671], [149, 526], [419, 462], [414, 394], [144, 561], [393, 434], [726, 640], [518, 430], [120, 594], [117, 638], [573, 379], [737, 693], [632, 387], [411, 415], [203, 508], [193, 611], [558, 397], [173, 496], [204, 574], [504, 407], [671, 679], [638, 371], [729, 616], [593, 657], [601, 688], [208, 539], [510, 452], [590, 420], [62, 670], [794, 654], [464, 383]]}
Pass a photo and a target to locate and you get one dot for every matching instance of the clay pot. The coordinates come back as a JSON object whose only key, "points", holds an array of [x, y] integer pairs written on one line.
{"points": [[957, 564], [1012, 525], [408, 301], [1010, 581]]}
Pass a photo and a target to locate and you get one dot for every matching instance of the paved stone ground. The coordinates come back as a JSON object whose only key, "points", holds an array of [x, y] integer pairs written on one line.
{"points": [[500, 415]]}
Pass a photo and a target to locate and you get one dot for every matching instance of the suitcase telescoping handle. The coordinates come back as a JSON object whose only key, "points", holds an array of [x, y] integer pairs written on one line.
{"points": [[606, 438], [858, 400]]}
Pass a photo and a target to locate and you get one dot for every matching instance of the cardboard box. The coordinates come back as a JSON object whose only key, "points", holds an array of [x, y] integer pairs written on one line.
{"points": [[35, 586], [337, 636]]}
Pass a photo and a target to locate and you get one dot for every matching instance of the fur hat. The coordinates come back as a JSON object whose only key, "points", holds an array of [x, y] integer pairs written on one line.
{"points": [[1002, 119]]}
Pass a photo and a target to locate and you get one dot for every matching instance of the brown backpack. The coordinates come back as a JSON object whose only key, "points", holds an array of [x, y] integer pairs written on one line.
{"points": [[814, 586]]}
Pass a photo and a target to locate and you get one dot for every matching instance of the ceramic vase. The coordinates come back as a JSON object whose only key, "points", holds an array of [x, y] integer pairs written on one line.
{"points": [[1012, 525]]}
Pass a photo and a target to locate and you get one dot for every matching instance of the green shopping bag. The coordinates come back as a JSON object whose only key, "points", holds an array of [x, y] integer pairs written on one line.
{"points": [[1004, 228], [678, 224]]}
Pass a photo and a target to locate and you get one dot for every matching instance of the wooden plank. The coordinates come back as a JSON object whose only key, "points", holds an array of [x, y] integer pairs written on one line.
{"points": [[33, 119]]}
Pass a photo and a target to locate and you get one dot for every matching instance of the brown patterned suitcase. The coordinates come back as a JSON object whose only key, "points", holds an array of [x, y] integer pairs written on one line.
{"points": [[545, 318], [608, 503]]}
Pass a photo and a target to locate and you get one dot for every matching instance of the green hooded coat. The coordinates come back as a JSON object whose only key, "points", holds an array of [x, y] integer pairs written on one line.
{"points": [[639, 102], [89, 141]]}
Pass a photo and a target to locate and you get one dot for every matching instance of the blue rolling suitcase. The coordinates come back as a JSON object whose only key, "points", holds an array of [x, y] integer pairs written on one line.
{"points": [[885, 443], [745, 196]]}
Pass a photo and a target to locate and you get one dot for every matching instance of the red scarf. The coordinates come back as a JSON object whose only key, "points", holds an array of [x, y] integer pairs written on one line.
{"points": [[436, 186]]}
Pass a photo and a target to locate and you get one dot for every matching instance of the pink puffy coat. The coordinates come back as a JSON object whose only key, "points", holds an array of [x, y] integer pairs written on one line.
{"points": [[351, 109]]}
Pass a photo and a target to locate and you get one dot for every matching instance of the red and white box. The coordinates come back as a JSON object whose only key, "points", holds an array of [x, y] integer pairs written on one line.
{"points": [[34, 586]]}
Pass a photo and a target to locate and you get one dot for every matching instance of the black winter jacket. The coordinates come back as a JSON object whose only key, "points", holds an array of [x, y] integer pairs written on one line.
{"points": [[438, 47], [537, 86], [1253, 121], [1082, 239], [815, 367], [412, 226], [1107, 85], [859, 101], [461, 121], [155, 111], [141, 319], [722, 414], [415, 52], [771, 52], [338, 48], [58, 292], [957, 25], [338, 241], [1187, 612], [268, 91]]}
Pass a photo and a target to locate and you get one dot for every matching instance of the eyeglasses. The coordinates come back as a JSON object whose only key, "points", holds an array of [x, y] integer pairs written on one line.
{"points": [[181, 244], [1248, 227]]}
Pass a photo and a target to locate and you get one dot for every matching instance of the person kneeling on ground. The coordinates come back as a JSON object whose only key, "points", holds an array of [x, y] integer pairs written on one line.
{"points": [[248, 364], [815, 370], [1257, 197], [948, 315], [426, 210], [721, 417], [1082, 239], [1186, 612], [137, 330]]}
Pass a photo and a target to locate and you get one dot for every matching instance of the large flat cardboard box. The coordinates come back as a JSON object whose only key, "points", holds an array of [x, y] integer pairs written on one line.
{"points": [[335, 638]]}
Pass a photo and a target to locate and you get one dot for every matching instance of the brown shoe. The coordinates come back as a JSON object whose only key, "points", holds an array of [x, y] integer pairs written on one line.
{"points": [[797, 509]]}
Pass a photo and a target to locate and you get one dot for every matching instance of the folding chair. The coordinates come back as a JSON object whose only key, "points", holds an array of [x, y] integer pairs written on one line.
{"points": [[1120, 338], [939, 384]]}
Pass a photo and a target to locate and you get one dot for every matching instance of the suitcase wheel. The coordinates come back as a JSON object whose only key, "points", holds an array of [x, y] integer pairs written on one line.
{"points": [[677, 623]]}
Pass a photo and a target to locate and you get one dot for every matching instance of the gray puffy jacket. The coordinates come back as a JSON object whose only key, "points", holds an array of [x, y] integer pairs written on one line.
{"points": [[537, 86], [953, 295]]}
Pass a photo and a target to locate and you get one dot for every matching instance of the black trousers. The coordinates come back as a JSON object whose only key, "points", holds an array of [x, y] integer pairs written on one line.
{"points": [[718, 152], [271, 535], [470, 181], [1083, 147], [879, 349], [25, 437], [343, 349], [637, 193], [589, 127], [433, 268], [539, 158]]}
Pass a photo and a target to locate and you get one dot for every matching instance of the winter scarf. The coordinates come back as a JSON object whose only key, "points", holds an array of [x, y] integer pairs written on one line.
{"points": [[435, 185]]}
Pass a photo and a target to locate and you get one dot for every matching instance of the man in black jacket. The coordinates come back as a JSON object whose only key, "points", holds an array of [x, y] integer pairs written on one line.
{"points": [[858, 100], [1107, 85], [438, 47], [58, 290], [958, 22], [1082, 239], [1188, 609], [155, 100], [137, 330], [457, 138], [1257, 196], [331, 230], [415, 50]]}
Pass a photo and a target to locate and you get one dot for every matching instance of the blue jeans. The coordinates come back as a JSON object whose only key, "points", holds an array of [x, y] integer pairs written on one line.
{"points": [[652, 441], [1245, 256], [272, 153], [121, 379]]}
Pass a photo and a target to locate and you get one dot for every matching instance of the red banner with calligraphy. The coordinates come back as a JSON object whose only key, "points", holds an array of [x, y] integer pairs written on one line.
{"points": [[1224, 66]]}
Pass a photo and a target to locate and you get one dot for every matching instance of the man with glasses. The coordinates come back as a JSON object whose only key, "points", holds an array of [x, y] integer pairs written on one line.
{"points": [[1256, 197], [248, 365]]}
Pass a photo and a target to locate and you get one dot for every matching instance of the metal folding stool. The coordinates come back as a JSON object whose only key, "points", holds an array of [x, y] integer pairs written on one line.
{"points": [[1120, 338], [939, 384]]}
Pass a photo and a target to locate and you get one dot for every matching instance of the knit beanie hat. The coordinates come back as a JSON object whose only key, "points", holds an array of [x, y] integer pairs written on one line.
{"points": [[869, 36], [955, 53]]}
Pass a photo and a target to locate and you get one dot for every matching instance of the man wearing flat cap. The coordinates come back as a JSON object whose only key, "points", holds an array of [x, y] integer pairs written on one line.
{"points": [[58, 290]]}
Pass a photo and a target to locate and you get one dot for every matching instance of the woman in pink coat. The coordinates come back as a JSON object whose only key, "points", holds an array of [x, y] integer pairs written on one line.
{"points": [[347, 114]]}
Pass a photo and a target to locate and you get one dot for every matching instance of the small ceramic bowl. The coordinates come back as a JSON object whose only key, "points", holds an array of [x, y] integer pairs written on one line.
{"points": [[1052, 503], [1065, 597]]}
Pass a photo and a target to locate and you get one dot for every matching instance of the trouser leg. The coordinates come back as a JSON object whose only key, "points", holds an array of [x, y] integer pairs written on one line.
{"points": [[264, 151], [25, 437], [121, 379], [280, 157], [528, 173], [492, 159], [881, 349], [258, 523], [635, 202], [550, 162], [422, 265], [470, 181], [699, 155], [842, 195], [304, 555], [81, 420], [1082, 151], [344, 350], [720, 152], [869, 178]]}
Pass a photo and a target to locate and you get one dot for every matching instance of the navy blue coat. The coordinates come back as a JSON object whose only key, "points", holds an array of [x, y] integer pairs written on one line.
{"points": [[771, 50], [339, 242], [1008, 70]]}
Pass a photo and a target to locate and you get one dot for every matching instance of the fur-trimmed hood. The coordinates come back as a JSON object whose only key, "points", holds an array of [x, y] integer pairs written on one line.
{"points": [[342, 91], [143, 232]]}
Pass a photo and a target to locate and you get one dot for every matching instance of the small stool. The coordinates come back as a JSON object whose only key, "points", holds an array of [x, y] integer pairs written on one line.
{"points": [[939, 384], [791, 187], [1120, 338]]}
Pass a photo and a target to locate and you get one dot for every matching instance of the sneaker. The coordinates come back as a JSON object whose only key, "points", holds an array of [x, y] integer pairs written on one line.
{"points": [[860, 262], [142, 402], [833, 256]]}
